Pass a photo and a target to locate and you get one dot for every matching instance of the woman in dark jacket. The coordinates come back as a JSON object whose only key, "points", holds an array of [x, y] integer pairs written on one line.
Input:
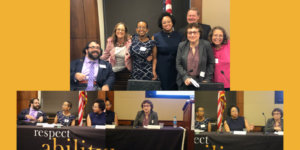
{"points": [[195, 59], [147, 116], [275, 123]]}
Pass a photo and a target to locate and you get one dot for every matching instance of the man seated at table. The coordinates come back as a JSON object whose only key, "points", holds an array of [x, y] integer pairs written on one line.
{"points": [[146, 116], [33, 113], [90, 73]]}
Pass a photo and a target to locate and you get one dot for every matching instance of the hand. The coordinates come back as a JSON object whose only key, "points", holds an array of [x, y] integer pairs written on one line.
{"points": [[105, 87], [30, 117], [40, 119], [277, 128], [251, 127], [154, 76], [149, 58], [187, 81], [79, 76]]}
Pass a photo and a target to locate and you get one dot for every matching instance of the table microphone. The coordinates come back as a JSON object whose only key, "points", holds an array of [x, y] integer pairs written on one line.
{"points": [[222, 72], [265, 118]]}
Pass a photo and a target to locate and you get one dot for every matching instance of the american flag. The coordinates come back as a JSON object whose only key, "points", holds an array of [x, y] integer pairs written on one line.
{"points": [[168, 6], [221, 108], [81, 105]]}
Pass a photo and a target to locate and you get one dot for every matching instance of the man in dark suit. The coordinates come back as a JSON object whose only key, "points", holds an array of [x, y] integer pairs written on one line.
{"points": [[193, 16], [91, 73], [33, 113]]}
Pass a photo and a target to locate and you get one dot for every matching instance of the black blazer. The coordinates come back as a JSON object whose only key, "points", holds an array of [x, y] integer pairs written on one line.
{"points": [[25, 112], [153, 118], [204, 35], [206, 63], [105, 75], [270, 125]]}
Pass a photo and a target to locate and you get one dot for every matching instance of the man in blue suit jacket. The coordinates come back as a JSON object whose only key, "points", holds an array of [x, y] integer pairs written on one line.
{"points": [[91, 73], [33, 113]]}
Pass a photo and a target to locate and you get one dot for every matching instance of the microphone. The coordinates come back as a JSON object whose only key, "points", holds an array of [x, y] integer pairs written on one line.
{"points": [[222, 72], [265, 117]]}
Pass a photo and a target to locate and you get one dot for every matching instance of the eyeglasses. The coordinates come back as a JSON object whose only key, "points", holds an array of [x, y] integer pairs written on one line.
{"points": [[217, 35], [165, 22], [141, 28], [193, 32], [95, 47], [146, 105], [121, 30]]}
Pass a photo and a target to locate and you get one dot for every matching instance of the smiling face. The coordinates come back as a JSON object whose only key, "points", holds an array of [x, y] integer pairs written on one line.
{"points": [[146, 107], [120, 31], [167, 24], [217, 37], [192, 17], [141, 29], [193, 34], [93, 52]]}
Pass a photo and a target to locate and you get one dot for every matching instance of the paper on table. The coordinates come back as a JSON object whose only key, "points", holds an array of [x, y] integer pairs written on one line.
{"points": [[240, 132], [152, 127], [110, 126], [279, 132], [100, 127]]}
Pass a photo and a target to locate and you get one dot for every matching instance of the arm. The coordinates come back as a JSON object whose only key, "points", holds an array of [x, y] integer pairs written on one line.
{"points": [[226, 127], [116, 120], [73, 123], [88, 121], [109, 47], [248, 128], [55, 120], [210, 66], [181, 71], [155, 118], [209, 127], [110, 79], [135, 123], [22, 115], [154, 62]]}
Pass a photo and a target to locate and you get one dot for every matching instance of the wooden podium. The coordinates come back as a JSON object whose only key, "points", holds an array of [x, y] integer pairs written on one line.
{"points": [[187, 122]]}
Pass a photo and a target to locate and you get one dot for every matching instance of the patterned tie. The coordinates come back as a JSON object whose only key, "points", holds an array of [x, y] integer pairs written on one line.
{"points": [[90, 86]]}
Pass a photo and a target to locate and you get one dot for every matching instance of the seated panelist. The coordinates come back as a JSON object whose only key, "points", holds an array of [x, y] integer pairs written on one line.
{"points": [[97, 117], [275, 123], [33, 113], [146, 116], [64, 116]]}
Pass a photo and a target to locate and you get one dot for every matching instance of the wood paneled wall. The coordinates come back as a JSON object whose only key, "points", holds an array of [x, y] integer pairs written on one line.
{"points": [[197, 4], [23, 98], [84, 25]]}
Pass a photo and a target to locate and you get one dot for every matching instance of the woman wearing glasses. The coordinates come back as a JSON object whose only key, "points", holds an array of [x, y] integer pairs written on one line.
{"points": [[146, 116], [117, 51], [195, 59], [275, 123]]}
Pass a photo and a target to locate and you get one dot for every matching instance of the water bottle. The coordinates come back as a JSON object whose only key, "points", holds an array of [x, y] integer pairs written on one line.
{"points": [[174, 122]]}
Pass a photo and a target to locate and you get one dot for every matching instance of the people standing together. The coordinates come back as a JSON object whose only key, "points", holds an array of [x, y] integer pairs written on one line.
{"points": [[176, 58]]}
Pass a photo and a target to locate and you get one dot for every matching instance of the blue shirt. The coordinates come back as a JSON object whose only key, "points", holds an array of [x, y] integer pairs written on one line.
{"points": [[97, 119]]}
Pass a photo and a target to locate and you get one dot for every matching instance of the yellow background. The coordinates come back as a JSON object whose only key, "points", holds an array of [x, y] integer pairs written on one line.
{"points": [[35, 46]]}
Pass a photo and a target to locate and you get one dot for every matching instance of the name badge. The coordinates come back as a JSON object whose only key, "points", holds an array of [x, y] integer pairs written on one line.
{"points": [[143, 49], [66, 120], [102, 66], [202, 126], [202, 74], [216, 60]]}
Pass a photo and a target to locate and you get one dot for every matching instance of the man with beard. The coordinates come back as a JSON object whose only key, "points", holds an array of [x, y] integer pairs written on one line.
{"points": [[193, 16], [33, 113], [90, 73]]}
